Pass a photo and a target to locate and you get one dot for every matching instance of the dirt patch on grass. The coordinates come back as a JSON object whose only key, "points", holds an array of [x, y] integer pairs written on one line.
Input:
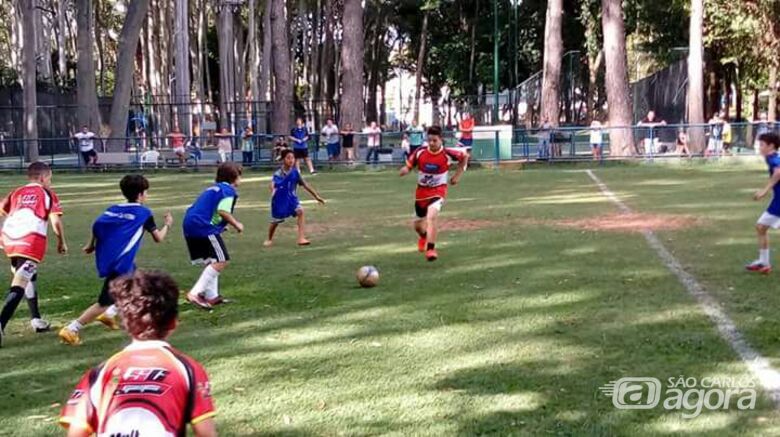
{"points": [[631, 222], [456, 224]]}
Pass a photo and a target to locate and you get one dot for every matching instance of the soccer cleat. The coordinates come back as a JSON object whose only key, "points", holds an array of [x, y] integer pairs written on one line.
{"points": [[422, 242], [219, 300], [69, 337], [431, 255], [40, 325], [110, 322], [198, 301], [758, 267]]}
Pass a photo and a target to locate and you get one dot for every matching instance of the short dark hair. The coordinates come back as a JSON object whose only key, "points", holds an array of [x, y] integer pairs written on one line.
{"points": [[132, 186], [770, 138], [229, 172], [435, 130], [148, 302], [283, 154], [38, 169]]}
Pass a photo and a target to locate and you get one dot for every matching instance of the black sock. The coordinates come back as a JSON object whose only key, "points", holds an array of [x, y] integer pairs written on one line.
{"points": [[32, 303], [423, 235], [431, 246], [15, 295]]}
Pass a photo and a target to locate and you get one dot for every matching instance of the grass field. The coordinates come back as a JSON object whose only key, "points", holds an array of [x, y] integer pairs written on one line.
{"points": [[526, 314]]}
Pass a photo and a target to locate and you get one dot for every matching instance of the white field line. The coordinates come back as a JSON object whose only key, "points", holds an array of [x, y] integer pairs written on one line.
{"points": [[768, 377]]}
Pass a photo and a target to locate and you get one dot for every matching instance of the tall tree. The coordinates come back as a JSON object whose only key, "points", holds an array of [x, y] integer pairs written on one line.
{"points": [[420, 65], [266, 64], [352, 63], [553, 56], [227, 63], [696, 77], [254, 59], [181, 35], [62, 51], [283, 87], [126, 49], [29, 97], [86, 95], [620, 135]]}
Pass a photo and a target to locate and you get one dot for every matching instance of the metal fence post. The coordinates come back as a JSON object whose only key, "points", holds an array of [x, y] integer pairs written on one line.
{"points": [[498, 148]]}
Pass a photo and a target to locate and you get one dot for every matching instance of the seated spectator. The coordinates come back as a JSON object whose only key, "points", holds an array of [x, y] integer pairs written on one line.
{"points": [[150, 156], [280, 145], [176, 141]]}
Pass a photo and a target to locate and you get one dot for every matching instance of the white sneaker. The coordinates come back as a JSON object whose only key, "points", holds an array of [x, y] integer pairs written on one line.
{"points": [[40, 325]]}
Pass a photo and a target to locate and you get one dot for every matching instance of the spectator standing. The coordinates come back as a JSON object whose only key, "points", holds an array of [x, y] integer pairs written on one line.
{"points": [[761, 127], [247, 146], [224, 144], [373, 141], [596, 139], [176, 141], [545, 138], [86, 142], [332, 141], [651, 140], [348, 142], [299, 135], [715, 143], [728, 137], [416, 135]]}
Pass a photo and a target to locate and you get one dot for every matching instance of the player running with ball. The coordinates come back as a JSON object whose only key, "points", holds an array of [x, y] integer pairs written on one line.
{"points": [[768, 145], [433, 165]]}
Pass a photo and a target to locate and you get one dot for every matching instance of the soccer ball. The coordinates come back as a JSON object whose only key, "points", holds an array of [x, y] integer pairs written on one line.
{"points": [[368, 276]]}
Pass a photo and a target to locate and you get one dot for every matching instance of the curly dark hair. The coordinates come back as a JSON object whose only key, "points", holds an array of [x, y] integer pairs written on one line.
{"points": [[435, 130], [229, 172], [148, 302], [770, 138]]}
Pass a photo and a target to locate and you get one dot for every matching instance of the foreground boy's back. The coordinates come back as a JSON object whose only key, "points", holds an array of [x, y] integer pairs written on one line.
{"points": [[149, 388]]}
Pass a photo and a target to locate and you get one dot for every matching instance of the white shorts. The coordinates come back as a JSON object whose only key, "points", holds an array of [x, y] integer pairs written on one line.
{"points": [[769, 220], [179, 150]]}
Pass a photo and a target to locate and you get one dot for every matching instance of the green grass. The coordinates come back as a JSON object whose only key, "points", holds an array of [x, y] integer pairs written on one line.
{"points": [[512, 331]]}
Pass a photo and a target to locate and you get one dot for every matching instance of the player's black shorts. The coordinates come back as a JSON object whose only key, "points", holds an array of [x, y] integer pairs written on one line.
{"points": [[104, 298], [421, 206], [301, 153], [206, 250], [87, 155]]}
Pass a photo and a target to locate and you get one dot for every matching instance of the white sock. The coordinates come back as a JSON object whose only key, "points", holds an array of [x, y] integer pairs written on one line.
{"points": [[763, 256], [29, 291], [208, 275], [111, 311], [75, 326], [212, 291]]}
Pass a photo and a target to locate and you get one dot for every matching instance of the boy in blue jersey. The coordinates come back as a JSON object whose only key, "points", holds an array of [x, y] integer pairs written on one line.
{"points": [[203, 225], [768, 145], [116, 238], [284, 200]]}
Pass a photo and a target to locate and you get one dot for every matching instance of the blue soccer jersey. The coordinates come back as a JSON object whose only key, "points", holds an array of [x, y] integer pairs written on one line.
{"points": [[118, 233], [285, 200], [299, 133], [202, 218], [773, 162]]}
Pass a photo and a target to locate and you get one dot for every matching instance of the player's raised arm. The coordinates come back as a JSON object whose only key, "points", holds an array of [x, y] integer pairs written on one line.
{"points": [[158, 235]]}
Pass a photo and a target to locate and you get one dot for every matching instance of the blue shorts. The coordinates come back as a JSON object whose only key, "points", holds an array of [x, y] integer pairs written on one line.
{"points": [[466, 142], [280, 213], [334, 149]]}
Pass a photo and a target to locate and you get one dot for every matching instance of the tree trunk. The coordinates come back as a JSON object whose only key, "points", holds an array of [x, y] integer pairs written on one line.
{"points": [[226, 65], [419, 72], [739, 95], [351, 103], [42, 46], [30, 98], [618, 97], [62, 51], [86, 94], [100, 49], [254, 66], [696, 78], [181, 35], [553, 56], [772, 111], [267, 63], [594, 65], [473, 51], [128, 42], [328, 57], [283, 91]]}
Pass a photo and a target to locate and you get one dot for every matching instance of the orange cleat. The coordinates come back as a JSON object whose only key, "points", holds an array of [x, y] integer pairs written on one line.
{"points": [[431, 255]]}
